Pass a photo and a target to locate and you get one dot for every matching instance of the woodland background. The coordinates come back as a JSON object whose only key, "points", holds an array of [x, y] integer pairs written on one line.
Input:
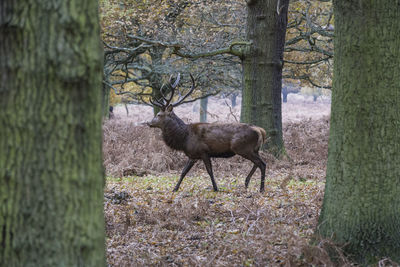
{"points": [[84, 181], [145, 42], [211, 229]]}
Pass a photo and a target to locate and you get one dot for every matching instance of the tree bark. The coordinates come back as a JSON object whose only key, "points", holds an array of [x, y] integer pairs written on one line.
{"points": [[361, 206], [262, 69], [51, 174]]}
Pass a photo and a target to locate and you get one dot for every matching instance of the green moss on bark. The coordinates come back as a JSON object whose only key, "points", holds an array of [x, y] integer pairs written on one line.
{"points": [[361, 206], [262, 70], [51, 175]]}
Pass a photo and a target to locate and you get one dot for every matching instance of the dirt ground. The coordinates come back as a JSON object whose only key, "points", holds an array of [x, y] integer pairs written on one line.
{"points": [[148, 225]]}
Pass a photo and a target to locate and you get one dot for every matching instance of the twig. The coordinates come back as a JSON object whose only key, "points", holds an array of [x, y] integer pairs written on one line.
{"points": [[231, 111]]}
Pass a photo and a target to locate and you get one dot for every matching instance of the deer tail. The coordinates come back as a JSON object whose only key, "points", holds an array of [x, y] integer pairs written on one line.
{"points": [[262, 136]]}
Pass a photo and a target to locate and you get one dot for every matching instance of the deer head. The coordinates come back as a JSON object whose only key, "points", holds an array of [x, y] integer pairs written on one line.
{"points": [[166, 114]]}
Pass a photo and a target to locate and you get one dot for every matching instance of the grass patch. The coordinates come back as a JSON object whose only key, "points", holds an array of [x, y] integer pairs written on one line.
{"points": [[148, 224]]}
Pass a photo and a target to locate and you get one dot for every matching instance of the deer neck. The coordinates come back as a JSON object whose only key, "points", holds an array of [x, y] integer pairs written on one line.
{"points": [[175, 133]]}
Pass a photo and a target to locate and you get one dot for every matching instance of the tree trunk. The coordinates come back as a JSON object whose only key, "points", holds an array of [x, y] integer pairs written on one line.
{"points": [[284, 94], [262, 69], [156, 110], [203, 109], [155, 80], [105, 101], [361, 206], [233, 99], [51, 174]]}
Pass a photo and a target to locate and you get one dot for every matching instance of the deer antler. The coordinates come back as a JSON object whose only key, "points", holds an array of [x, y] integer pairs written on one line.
{"points": [[157, 103], [173, 87], [185, 96], [164, 102]]}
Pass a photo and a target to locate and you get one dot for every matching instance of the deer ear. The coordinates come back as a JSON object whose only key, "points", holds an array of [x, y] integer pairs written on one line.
{"points": [[169, 108]]}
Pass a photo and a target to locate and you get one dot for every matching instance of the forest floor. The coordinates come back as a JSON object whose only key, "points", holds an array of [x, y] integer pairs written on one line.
{"points": [[148, 225]]}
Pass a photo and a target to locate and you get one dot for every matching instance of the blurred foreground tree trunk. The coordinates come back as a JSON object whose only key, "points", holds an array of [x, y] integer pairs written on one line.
{"points": [[51, 174], [262, 69], [361, 206]]}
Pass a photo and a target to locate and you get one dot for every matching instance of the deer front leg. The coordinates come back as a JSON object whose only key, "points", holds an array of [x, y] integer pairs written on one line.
{"points": [[186, 169], [207, 162]]}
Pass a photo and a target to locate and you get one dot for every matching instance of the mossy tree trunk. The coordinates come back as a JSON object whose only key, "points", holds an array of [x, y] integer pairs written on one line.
{"points": [[262, 69], [51, 174], [361, 206]]}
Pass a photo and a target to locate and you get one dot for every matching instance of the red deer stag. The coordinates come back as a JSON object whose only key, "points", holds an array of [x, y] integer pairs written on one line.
{"points": [[202, 141]]}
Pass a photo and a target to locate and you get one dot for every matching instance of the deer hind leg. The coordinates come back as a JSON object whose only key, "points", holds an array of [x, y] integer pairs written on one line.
{"points": [[250, 175], [207, 162], [258, 162], [186, 169], [262, 165]]}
